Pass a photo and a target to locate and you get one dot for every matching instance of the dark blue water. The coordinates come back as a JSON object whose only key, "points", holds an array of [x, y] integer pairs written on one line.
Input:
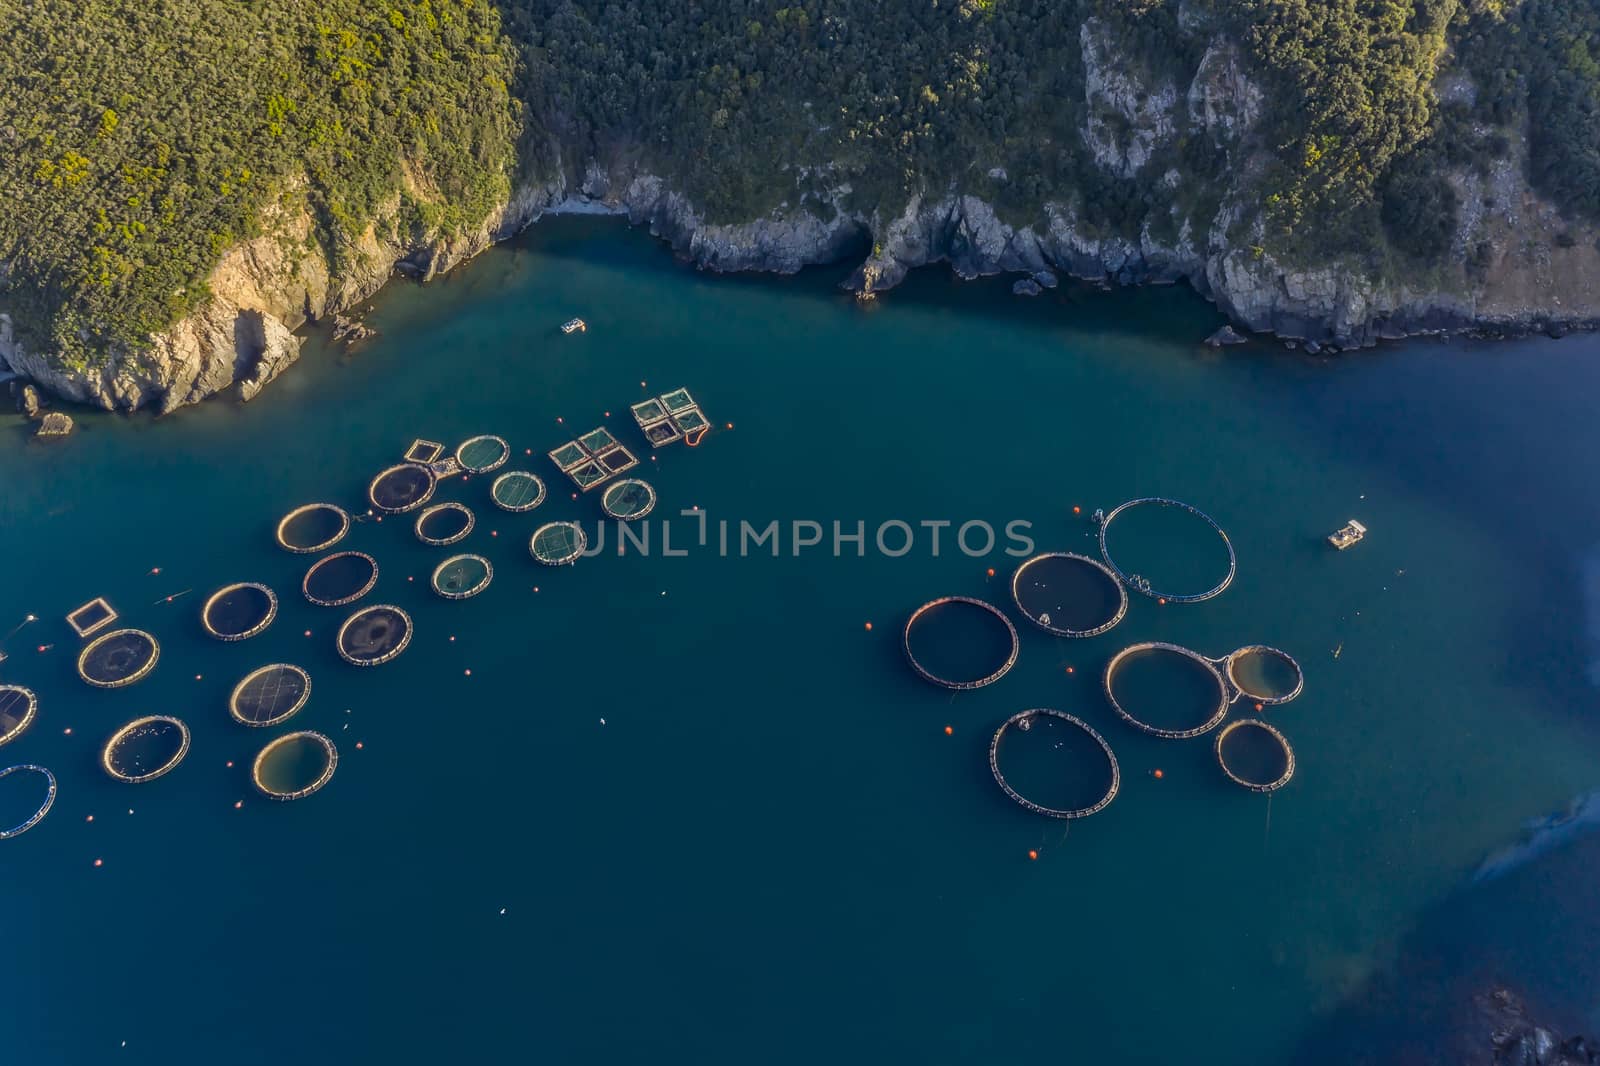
{"points": [[771, 850]]}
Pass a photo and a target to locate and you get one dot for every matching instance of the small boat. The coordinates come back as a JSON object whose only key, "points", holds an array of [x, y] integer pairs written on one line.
{"points": [[574, 325], [1350, 533]]}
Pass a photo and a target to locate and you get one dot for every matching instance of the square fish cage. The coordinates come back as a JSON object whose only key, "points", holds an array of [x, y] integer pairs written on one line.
{"points": [[669, 418], [92, 617]]}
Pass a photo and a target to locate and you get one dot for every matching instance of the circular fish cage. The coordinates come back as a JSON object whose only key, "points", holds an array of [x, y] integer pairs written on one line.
{"points": [[341, 578], [44, 807], [628, 499], [313, 527], [1266, 675], [17, 709], [461, 577], [960, 643], [269, 695], [403, 487], [444, 524], [145, 749], [239, 611], [1038, 743], [374, 635], [119, 658], [483, 454], [294, 765], [1068, 594], [1166, 690], [1254, 755], [558, 543], [1186, 569], [517, 491]]}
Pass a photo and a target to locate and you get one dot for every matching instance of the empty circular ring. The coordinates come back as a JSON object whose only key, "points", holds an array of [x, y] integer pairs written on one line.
{"points": [[482, 454], [444, 524], [558, 543], [517, 491], [374, 635], [340, 578], [1023, 721], [402, 487], [1035, 588], [1254, 755], [461, 577], [1250, 666], [1215, 715], [1140, 584], [278, 771], [119, 658], [44, 808], [239, 611], [269, 695], [17, 709], [124, 764], [1007, 644], [628, 499], [326, 525]]}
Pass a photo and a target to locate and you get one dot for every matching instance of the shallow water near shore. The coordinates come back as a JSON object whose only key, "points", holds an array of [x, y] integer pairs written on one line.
{"points": [[771, 851]]}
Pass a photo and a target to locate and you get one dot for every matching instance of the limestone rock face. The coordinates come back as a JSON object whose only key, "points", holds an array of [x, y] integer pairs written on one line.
{"points": [[54, 424], [1222, 98], [1128, 119]]}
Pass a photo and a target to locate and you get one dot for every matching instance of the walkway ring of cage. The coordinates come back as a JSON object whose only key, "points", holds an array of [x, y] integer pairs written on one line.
{"points": [[264, 688], [225, 597], [367, 638], [436, 514], [305, 736], [961, 686], [18, 707], [166, 723], [401, 488], [558, 543], [628, 500], [1044, 620], [476, 457], [1224, 697], [1022, 720], [1139, 584], [511, 491], [325, 564], [108, 661], [44, 808], [1238, 729], [1229, 670], [463, 566], [339, 513]]}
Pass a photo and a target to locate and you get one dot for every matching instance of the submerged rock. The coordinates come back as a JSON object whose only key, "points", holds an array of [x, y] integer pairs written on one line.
{"points": [[350, 332], [28, 401], [1047, 278], [54, 424], [1026, 287], [1516, 1041], [1224, 336]]}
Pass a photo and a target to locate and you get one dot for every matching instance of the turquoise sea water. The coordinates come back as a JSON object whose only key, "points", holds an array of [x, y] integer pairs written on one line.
{"points": [[771, 851]]}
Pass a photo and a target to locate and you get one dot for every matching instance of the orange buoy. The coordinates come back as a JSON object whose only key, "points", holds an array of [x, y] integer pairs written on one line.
{"points": [[1157, 774], [560, 419], [494, 532], [1033, 854], [991, 571], [730, 425], [155, 569], [237, 804], [359, 745], [949, 731], [608, 414], [468, 673], [1071, 670], [1162, 601], [230, 764], [1076, 509], [1259, 708], [308, 632], [197, 677], [90, 818], [99, 862], [869, 627], [67, 732]]}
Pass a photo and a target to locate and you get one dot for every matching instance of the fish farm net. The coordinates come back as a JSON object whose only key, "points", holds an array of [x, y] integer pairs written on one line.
{"points": [[240, 611], [558, 543], [517, 491], [1069, 595], [17, 709], [313, 528], [374, 635], [20, 798], [145, 748], [1054, 764], [92, 617], [462, 576], [628, 499], [294, 766], [1167, 550], [444, 523], [119, 658], [1166, 690], [401, 488], [1255, 755], [339, 579], [1264, 674], [483, 454], [269, 695], [960, 643]]}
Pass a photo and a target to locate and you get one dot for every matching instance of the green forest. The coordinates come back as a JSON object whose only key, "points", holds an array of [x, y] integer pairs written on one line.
{"points": [[140, 140]]}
